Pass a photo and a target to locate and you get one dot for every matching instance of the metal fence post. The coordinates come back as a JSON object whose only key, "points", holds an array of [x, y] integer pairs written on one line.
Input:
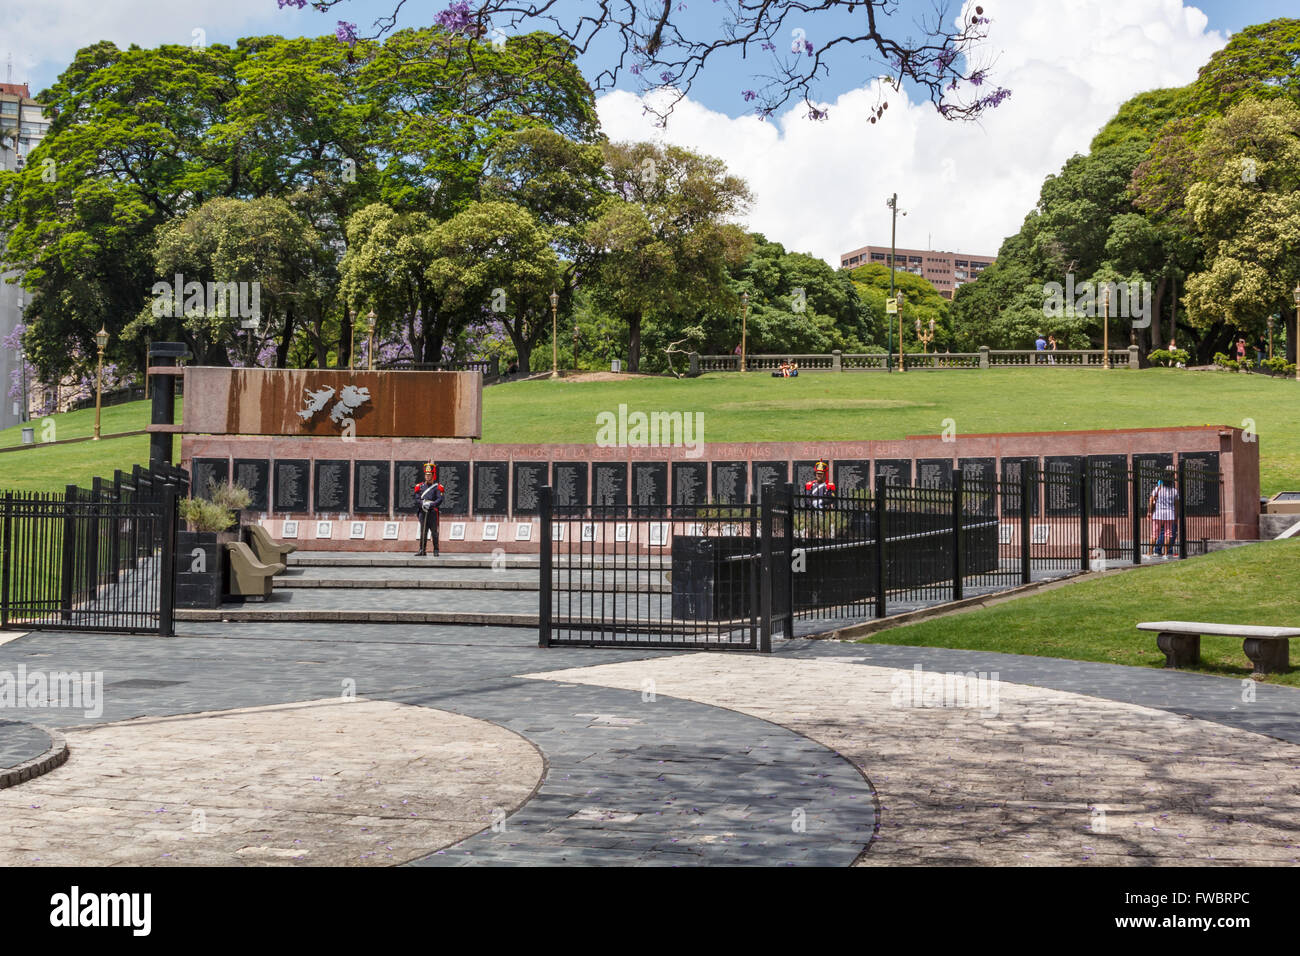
{"points": [[544, 581], [93, 543], [881, 577], [787, 625], [1084, 491], [1135, 494], [1182, 509], [69, 552], [765, 570], [957, 501], [1027, 485], [167, 564], [4, 559]]}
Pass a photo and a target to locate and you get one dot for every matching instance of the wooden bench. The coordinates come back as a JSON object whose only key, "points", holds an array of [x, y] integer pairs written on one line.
{"points": [[249, 577], [1267, 647]]}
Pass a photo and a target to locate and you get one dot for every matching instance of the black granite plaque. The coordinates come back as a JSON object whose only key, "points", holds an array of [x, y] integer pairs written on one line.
{"points": [[769, 473], [690, 482], [1013, 474], [1061, 475], [897, 471], [1200, 483], [650, 485], [370, 483], [332, 486], [491, 487], [292, 484], [1150, 468], [205, 470], [454, 478], [255, 475], [530, 476], [852, 477], [730, 486], [804, 472], [570, 479], [1108, 489], [934, 472], [608, 484], [408, 474], [979, 484]]}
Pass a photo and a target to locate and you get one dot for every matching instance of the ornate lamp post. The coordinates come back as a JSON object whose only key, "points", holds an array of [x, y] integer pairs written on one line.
{"points": [[101, 340], [370, 340], [1105, 329], [744, 328], [22, 370], [923, 336], [1270, 337], [555, 336], [1290, 346], [250, 325]]}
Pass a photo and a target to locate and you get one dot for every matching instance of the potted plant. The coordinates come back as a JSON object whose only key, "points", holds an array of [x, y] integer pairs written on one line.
{"points": [[200, 549]]}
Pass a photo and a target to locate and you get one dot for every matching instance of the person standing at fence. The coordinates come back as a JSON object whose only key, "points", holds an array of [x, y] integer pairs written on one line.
{"points": [[1040, 345], [1164, 516], [1051, 347], [428, 502]]}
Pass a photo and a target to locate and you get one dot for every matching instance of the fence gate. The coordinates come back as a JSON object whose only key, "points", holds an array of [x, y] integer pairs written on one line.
{"points": [[727, 576], [101, 559]]}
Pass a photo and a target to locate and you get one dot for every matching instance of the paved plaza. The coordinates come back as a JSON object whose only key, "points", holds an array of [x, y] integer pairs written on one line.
{"points": [[310, 743]]}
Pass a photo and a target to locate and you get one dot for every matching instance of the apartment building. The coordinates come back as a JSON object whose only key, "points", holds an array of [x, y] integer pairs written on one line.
{"points": [[946, 271]]}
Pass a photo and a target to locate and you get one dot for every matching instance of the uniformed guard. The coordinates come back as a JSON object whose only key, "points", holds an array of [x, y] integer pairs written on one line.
{"points": [[821, 487], [428, 502]]}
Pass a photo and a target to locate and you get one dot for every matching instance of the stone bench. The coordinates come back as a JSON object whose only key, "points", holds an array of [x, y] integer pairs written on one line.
{"points": [[1266, 647]]}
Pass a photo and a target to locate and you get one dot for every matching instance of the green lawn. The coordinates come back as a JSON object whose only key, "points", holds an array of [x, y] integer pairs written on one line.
{"points": [[1095, 620], [817, 406], [52, 467], [855, 406], [128, 417]]}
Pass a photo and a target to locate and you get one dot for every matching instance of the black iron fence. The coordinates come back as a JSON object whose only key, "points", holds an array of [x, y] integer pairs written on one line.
{"points": [[729, 576], [96, 559]]}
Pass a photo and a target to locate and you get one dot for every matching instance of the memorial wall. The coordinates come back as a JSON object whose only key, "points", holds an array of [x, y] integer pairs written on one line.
{"points": [[306, 481]]}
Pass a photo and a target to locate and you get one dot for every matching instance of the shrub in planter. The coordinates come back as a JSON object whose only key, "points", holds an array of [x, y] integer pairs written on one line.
{"points": [[200, 550]]}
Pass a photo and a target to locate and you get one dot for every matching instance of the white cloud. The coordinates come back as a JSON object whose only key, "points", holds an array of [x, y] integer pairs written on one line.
{"points": [[820, 187]]}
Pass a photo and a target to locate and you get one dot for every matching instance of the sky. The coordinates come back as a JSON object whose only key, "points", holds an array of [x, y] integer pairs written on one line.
{"points": [[819, 187]]}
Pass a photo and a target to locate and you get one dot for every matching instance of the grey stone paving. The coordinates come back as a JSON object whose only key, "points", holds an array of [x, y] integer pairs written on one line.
{"points": [[705, 785], [20, 742]]}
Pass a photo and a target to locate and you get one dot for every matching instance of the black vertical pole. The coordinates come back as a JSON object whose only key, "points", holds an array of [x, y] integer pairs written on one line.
{"points": [[114, 538], [4, 559], [544, 575], [957, 482], [1136, 503], [1027, 486], [787, 497], [93, 544], [765, 570], [163, 355], [881, 577], [167, 564], [1182, 509], [69, 552], [1084, 491]]}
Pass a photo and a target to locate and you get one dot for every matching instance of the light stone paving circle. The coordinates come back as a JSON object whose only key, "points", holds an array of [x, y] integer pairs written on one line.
{"points": [[316, 783], [1032, 776]]}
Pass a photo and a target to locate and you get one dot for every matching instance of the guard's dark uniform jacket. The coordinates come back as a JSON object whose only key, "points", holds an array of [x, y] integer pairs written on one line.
{"points": [[428, 501]]}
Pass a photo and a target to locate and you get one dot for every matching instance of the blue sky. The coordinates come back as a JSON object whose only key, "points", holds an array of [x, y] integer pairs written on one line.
{"points": [[819, 186]]}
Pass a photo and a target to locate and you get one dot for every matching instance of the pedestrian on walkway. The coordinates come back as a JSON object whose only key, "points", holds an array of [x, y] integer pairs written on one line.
{"points": [[1164, 515]]}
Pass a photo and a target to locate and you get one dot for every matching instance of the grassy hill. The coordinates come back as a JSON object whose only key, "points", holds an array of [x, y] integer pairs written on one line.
{"points": [[823, 407]]}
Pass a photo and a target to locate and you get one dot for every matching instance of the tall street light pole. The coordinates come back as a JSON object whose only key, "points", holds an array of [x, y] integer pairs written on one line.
{"points": [[370, 340], [744, 327], [1105, 329], [892, 203], [101, 340], [555, 336], [22, 369], [901, 299], [1291, 346]]}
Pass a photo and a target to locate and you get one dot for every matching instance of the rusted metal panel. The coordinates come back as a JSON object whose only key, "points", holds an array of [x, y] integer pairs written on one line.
{"points": [[325, 403]]}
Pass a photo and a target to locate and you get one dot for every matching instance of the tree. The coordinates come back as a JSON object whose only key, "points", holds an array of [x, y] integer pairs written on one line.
{"points": [[495, 258], [258, 242], [665, 237], [921, 301], [1245, 205], [666, 47]]}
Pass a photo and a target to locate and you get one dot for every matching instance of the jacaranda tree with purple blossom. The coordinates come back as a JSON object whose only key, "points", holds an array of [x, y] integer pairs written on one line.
{"points": [[938, 52]]}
